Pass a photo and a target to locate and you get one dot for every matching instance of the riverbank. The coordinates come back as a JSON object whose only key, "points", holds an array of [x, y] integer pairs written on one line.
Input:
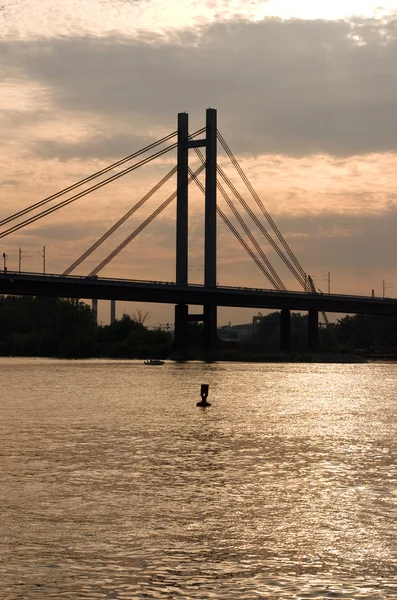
{"points": [[296, 357]]}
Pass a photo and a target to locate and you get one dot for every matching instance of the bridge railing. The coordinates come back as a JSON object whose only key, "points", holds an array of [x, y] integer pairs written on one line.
{"points": [[199, 286]]}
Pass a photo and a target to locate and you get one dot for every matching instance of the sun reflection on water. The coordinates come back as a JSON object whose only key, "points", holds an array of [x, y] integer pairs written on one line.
{"points": [[285, 488]]}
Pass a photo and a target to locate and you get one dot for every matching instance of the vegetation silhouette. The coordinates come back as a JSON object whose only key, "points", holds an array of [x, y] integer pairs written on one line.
{"points": [[66, 328]]}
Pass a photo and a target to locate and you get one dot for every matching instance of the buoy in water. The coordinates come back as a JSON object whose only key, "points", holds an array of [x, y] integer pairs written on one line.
{"points": [[204, 395]]}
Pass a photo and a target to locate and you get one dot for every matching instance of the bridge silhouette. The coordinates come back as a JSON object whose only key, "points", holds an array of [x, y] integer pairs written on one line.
{"points": [[210, 295]]}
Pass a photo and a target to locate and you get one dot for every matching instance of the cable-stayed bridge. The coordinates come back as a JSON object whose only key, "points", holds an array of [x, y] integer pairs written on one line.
{"points": [[181, 293]]}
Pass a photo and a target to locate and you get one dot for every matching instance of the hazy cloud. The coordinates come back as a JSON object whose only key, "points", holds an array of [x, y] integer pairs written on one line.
{"points": [[95, 147], [69, 231], [343, 240], [294, 87], [343, 243], [9, 182]]}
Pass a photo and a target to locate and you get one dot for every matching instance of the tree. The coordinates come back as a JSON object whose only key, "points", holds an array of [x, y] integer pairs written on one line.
{"points": [[140, 316]]}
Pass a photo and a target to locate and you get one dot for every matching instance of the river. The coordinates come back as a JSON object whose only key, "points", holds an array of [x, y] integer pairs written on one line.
{"points": [[113, 484]]}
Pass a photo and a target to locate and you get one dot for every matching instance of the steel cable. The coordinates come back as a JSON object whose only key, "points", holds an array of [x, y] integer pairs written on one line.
{"points": [[120, 222], [261, 205], [276, 280], [85, 192], [125, 217], [240, 238], [86, 179], [142, 226], [260, 226]]}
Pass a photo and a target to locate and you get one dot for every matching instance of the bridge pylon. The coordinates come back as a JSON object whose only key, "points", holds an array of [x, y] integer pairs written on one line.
{"points": [[209, 316]]}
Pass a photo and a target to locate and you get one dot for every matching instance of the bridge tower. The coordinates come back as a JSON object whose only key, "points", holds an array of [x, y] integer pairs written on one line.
{"points": [[209, 315]]}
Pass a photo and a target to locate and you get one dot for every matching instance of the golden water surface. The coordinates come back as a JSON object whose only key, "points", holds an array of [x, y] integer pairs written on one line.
{"points": [[113, 484]]}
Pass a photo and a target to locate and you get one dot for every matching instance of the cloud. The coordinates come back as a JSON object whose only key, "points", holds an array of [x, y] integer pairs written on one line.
{"points": [[291, 87], [347, 241], [67, 231], [53, 18], [9, 182], [101, 146], [359, 250], [310, 105]]}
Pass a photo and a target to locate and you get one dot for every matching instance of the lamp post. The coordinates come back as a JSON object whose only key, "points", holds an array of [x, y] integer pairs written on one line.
{"points": [[328, 280], [21, 255], [42, 254], [385, 286]]}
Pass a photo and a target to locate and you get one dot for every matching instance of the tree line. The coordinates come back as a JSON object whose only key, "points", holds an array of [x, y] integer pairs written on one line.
{"points": [[66, 328], [364, 334]]}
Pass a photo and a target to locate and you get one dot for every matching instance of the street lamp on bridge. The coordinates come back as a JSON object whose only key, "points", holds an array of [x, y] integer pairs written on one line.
{"points": [[42, 254], [385, 286], [21, 255], [328, 280]]}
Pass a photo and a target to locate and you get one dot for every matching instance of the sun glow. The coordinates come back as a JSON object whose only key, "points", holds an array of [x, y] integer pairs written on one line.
{"points": [[53, 18], [338, 9]]}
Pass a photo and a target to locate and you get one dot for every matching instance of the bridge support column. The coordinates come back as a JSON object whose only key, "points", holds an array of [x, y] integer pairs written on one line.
{"points": [[182, 200], [210, 199], [112, 311], [181, 344], [94, 307], [285, 330], [313, 329], [210, 310], [210, 332]]}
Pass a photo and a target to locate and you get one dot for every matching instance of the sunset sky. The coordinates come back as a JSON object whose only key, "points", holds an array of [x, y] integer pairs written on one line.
{"points": [[306, 94]]}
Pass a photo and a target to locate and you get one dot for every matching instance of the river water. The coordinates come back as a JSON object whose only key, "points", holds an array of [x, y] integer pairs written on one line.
{"points": [[113, 484]]}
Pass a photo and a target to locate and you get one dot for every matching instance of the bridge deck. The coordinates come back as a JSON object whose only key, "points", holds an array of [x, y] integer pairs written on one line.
{"points": [[73, 286]]}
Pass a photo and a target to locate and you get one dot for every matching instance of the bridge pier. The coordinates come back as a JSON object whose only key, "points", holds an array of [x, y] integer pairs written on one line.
{"points": [[94, 307], [210, 332], [181, 341], [285, 330], [313, 329], [112, 311]]}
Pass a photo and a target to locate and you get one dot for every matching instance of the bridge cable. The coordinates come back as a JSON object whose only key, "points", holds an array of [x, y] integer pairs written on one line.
{"points": [[142, 226], [88, 191], [305, 280], [260, 226], [276, 280], [86, 179], [241, 239], [243, 243], [261, 205], [120, 222], [279, 285], [127, 215]]}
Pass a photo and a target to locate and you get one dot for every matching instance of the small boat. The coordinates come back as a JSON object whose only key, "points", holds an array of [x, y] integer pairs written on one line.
{"points": [[154, 362]]}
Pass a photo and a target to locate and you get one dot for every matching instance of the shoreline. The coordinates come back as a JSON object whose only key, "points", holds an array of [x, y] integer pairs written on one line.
{"points": [[300, 357], [293, 357]]}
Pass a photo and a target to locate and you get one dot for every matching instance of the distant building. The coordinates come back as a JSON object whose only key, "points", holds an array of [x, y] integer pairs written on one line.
{"points": [[235, 332]]}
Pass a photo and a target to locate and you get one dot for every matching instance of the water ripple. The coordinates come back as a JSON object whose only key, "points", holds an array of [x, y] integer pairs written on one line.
{"points": [[285, 488]]}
